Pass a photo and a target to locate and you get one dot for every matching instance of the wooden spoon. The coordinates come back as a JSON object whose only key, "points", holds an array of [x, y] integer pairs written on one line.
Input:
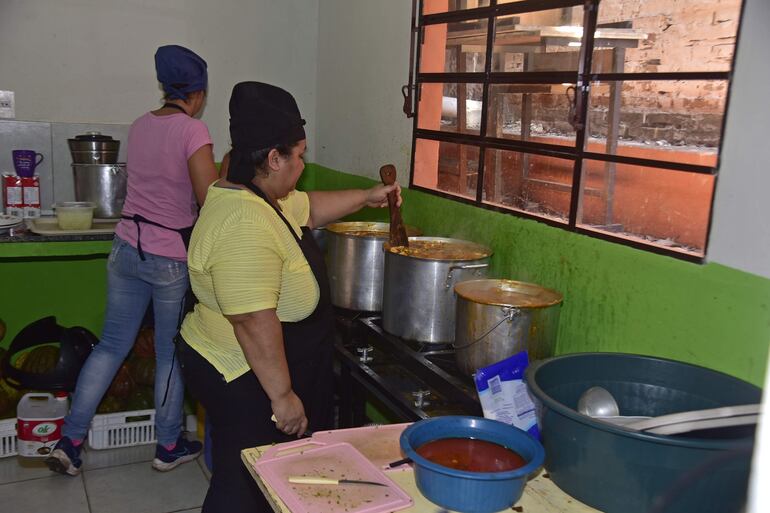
{"points": [[397, 230]]}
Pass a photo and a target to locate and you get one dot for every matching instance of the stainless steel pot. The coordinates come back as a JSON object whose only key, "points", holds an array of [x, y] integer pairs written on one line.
{"points": [[355, 261], [102, 184], [94, 148], [496, 319], [418, 296]]}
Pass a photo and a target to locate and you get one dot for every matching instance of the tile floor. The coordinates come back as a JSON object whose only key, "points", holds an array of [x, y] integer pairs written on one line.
{"points": [[113, 481]]}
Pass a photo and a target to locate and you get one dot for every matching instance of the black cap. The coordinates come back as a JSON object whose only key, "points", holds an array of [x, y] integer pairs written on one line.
{"points": [[261, 116]]}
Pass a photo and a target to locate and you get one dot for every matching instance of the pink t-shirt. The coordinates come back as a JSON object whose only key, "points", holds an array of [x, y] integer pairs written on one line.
{"points": [[159, 186]]}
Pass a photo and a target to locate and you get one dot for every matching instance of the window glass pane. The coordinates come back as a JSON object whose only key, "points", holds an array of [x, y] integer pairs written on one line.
{"points": [[530, 112], [685, 35], [450, 108], [664, 208], [538, 41], [530, 183], [447, 167], [436, 6], [676, 120], [454, 47]]}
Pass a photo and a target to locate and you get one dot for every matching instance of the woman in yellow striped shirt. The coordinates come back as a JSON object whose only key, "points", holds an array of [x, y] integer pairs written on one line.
{"points": [[258, 343]]}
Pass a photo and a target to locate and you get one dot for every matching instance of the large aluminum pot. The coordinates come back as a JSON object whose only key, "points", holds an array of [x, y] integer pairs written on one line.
{"points": [[499, 318], [94, 148], [355, 262], [102, 184], [418, 296]]}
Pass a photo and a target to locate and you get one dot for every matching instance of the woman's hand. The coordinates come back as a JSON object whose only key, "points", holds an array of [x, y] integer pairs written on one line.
{"points": [[290, 414], [377, 196]]}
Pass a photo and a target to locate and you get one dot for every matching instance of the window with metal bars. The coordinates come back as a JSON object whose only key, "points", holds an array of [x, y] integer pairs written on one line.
{"points": [[601, 117]]}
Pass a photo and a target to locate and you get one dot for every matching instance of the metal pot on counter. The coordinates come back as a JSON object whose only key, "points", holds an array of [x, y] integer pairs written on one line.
{"points": [[94, 148], [355, 261], [496, 319], [104, 185], [418, 296]]}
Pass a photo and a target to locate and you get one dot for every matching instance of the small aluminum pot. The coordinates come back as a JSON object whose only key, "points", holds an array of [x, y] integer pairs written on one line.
{"points": [[496, 319], [355, 263], [418, 296]]}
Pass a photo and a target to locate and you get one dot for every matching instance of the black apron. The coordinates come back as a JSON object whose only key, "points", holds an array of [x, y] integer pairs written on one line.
{"points": [[308, 343], [138, 219]]}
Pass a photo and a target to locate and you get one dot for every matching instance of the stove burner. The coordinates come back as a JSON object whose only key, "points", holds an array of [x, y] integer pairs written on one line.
{"points": [[413, 380]]}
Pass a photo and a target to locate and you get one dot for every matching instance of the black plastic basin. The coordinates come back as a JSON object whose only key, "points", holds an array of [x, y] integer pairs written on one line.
{"points": [[618, 470]]}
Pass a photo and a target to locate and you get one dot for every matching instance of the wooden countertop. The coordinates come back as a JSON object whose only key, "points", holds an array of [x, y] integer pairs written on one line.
{"points": [[540, 494]]}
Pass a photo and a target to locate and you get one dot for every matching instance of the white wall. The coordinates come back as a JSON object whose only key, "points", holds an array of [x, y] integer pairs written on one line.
{"points": [[363, 61], [92, 60], [740, 237]]}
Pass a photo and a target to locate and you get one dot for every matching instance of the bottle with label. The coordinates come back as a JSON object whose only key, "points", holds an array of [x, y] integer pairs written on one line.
{"points": [[40, 417]]}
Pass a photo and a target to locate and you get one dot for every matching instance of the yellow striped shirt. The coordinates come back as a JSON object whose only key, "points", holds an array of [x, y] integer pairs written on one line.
{"points": [[242, 258]]}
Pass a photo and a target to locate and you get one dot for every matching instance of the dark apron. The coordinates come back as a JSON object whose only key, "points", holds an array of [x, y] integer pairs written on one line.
{"points": [[308, 343]]}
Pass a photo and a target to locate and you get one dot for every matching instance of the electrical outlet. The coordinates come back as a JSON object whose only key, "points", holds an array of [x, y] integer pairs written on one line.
{"points": [[7, 105]]}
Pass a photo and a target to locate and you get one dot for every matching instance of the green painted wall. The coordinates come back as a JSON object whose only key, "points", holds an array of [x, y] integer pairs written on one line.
{"points": [[72, 288], [616, 298]]}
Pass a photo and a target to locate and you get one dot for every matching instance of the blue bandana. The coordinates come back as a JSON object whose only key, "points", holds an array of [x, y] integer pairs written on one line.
{"points": [[180, 67]]}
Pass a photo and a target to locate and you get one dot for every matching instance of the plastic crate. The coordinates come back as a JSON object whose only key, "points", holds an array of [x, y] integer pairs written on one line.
{"points": [[7, 437], [123, 429]]}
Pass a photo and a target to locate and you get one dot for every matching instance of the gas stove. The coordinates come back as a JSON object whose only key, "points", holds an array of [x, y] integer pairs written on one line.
{"points": [[412, 380]]}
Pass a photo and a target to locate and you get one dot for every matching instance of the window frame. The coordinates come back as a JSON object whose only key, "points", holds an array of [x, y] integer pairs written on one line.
{"points": [[582, 78]]}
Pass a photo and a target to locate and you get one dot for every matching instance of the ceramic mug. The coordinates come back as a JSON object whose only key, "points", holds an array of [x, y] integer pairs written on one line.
{"points": [[25, 161]]}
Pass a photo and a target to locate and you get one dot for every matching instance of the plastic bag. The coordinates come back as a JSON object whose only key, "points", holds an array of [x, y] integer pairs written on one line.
{"points": [[504, 396]]}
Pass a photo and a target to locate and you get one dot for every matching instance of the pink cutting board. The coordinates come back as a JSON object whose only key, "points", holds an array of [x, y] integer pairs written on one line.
{"points": [[378, 444], [339, 461]]}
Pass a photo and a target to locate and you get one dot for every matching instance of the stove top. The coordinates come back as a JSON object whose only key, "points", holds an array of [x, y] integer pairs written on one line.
{"points": [[413, 379]]}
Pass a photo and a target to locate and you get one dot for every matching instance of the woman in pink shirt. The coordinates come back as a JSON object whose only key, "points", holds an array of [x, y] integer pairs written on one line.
{"points": [[170, 165]]}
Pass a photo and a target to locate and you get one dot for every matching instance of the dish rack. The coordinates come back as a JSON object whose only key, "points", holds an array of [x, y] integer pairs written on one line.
{"points": [[7, 437], [122, 429]]}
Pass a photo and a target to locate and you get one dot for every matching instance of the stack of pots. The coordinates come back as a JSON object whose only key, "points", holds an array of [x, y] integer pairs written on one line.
{"points": [[98, 176], [355, 263], [496, 319], [418, 296]]}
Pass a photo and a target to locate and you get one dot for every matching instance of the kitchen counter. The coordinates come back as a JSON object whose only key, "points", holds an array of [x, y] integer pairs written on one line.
{"points": [[62, 275], [24, 243], [541, 495]]}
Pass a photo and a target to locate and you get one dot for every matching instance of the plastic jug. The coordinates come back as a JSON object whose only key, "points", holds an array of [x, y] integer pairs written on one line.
{"points": [[40, 417]]}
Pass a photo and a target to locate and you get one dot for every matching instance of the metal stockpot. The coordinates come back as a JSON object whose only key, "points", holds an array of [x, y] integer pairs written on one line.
{"points": [[102, 184], [418, 296], [355, 262], [496, 319], [94, 148]]}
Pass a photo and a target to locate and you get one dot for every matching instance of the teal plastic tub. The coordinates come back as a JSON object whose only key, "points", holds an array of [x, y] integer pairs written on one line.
{"points": [[618, 470]]}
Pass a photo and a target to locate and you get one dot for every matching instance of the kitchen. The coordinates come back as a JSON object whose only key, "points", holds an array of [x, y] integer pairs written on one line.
{"points": [[345, 62]]}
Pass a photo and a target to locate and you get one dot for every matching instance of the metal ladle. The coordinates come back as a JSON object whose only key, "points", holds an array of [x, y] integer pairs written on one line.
{"points": [[598, 402]]}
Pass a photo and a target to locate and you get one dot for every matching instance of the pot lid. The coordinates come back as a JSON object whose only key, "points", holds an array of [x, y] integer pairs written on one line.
{"points": [[508, 293], [366, 229], [93, 136]]}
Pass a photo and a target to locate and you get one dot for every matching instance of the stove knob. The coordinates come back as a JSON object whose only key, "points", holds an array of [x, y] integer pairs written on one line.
{"points": [[419, 398], [364, 352]]}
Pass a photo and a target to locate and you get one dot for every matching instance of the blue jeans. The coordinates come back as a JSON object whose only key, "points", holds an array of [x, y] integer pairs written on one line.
{"points": [[131, 283]]}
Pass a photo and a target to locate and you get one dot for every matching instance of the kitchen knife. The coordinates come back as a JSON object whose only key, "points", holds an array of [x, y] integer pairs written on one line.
{"points": [[330, 481]]}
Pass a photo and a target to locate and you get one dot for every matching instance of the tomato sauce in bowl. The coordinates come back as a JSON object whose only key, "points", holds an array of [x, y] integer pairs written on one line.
{"points": [[471, 455]]}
